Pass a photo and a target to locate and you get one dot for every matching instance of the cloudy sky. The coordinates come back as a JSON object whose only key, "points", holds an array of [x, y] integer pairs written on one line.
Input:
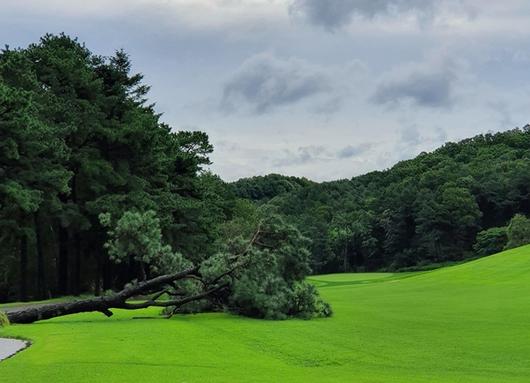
{"points": [[324, 89]]}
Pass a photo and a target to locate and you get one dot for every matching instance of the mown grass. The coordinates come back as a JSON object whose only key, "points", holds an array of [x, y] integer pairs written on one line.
{"points": [[467, 323], [31, 303]]}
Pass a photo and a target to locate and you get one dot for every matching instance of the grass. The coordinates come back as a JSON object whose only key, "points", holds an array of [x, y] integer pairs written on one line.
{"points": [[61, 299], [466, 323]]}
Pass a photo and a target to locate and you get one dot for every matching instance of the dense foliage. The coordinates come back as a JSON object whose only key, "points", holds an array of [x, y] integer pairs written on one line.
{"points": [[490, 241], [273, 284], [421, 211]]}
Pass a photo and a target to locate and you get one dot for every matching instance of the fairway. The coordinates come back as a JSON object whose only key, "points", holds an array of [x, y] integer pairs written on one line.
{"points": [[467, 323]]}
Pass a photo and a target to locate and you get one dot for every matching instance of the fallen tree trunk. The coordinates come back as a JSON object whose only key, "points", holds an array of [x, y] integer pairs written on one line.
{"points": [[117, 300], [154, 288]]}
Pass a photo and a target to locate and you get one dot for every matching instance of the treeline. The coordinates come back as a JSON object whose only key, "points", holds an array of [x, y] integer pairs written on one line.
{"points": [[78, 139], [420, 212]]}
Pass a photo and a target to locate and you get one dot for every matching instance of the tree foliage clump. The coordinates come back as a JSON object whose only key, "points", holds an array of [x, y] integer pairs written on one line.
{"points": [[136, 239], [491, 241], [518, 231], [272, 285]]}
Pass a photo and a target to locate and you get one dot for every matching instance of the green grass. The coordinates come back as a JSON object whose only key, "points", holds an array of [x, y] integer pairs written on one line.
{"points": [[467, 323], [61, 299]]}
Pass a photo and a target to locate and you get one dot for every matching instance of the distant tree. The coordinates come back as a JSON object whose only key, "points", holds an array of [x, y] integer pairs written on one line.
{"points": [[491, 241], [446, 222], [518, 231], [264, 188]]}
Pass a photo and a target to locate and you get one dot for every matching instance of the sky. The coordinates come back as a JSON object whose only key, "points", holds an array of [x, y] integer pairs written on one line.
{"points": [[324, 89]]}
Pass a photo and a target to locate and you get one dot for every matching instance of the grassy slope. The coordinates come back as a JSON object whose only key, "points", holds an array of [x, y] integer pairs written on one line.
{"points": [[468, 323]]}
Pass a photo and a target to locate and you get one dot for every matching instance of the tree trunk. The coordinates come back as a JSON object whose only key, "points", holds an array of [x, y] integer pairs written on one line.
{"points": [[346, 264], [62, 267], [36, 313], [99, 271], [23, 268], [42, 287], [76, 272], [115, 301], [107, 274]]}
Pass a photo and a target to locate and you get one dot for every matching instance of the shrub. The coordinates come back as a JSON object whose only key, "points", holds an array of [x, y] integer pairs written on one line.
{"points": [[4, 321], [307, 303], [491, 241]]}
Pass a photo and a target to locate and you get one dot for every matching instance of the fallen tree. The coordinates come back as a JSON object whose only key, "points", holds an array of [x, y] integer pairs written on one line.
{"points": [[260, 277], [156, 288], [120, 300]]}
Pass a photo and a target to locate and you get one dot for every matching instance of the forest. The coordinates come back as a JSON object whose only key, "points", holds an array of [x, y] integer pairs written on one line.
{"points": [[463, 200], [96, 192]]}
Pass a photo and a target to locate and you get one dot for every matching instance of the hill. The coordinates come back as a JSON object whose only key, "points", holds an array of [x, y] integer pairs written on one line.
{"points": [[421, 211]]}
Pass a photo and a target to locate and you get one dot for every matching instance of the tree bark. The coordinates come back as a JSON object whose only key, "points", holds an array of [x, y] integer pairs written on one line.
{"points": [[97, 277], [23, 267], [62, 267], [42, 286], [76, 272], [107, 274], [115, 301], [346, 264]]}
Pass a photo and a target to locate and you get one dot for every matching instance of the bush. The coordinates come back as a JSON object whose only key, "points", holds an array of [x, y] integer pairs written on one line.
{"points": [[307, 303], [518, 232], [491, 241], [4, 321]]}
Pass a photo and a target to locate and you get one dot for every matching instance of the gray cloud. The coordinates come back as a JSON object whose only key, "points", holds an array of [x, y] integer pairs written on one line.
{"points": [[264, 82], [430, 84], [333, 14], [410, 136], [412, 140], [312, 153], [353, 150], [302, 155]]}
